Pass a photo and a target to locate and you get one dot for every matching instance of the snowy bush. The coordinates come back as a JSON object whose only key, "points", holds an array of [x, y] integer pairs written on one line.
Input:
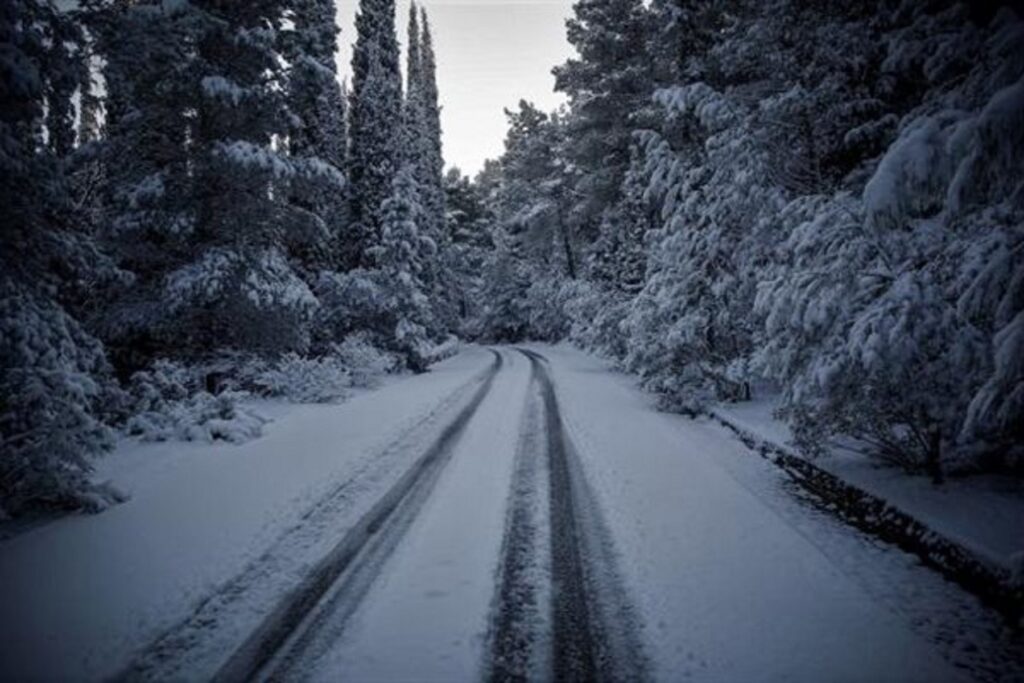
{"points": [[446, 349], [364, 361], [306, 380], [169, 404], [200, 417], [545, 303], [53, 379]]}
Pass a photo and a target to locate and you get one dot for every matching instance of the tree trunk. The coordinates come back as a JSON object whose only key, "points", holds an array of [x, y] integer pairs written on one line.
{"points": [[570, 260], [933, 458]]}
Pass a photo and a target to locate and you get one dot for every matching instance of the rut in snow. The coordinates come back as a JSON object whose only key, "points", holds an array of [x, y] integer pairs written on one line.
{"points": [[335, 586], [592, 626]]}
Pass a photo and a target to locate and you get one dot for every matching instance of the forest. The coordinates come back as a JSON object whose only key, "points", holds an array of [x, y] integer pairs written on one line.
{"points": [[819, 200]]}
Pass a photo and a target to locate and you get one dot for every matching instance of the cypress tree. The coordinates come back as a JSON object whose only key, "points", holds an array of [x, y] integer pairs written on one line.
{"points": [[375, 113], [318, 133], [432, 165]]}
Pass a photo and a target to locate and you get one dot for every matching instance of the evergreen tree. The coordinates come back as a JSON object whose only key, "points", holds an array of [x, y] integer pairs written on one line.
{"points": [[148, 209], [445, 288], [413, 145], [432, 165], [531, 201], [53, 373], [618, 258], [318, 133], [400, 262], [375, 115], [240, 290], [468, 240], [606, 85]]}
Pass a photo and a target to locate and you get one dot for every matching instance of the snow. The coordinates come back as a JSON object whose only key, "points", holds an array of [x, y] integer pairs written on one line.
{"points": [[983, 513], [82, 594], [218, 86], [728, 590], [430, 604], [730, 577]]}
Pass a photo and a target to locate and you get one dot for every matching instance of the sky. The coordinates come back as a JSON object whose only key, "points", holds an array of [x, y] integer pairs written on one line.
{"points": [[490, 54]]}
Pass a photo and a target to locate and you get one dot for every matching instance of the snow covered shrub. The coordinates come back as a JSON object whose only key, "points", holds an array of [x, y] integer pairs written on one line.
{"points": [[169, 403], [200, 417], [446, 349], [504, 317], [364, 362], [596, 318], [545, 305], [258, 301], [165, 382], [306, 380], [53, 379]]}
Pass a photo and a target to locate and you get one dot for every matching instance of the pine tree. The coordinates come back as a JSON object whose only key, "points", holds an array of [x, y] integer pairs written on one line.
{"points": [[53, 373], [400, 261], [619, 258], [148, 212], [445, 288], [606, 85], [240, 290], [318, 133], [375, 115], [531, 201], [432, 165], [413, 144]]}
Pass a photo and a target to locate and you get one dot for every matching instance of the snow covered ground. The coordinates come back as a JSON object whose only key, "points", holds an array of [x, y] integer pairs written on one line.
{"points": [[81, 594], [734, 581], [984, 514], [711, 565]]}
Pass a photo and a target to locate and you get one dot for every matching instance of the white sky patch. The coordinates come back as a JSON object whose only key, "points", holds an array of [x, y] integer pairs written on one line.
{"points": [[490, 54]]}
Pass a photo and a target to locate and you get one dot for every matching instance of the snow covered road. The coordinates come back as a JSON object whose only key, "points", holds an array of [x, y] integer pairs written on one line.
{"points": [[518, 514]]}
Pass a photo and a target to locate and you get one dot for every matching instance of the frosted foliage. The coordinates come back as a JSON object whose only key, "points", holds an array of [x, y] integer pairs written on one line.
{"points": [[51, 388], [169, 405], [364, 362], [839, 217], [246, 286], [54, 379], [399, 261], [899, 334], [306, 380], [280, 166]]}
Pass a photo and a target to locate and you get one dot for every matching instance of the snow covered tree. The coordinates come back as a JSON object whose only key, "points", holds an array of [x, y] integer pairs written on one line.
{"points": [[531, 200], [413, 144], [399, 261], [918, 361], [148, 208], [53, 373], [838, 215], [618, 257], [606, 84], [318, 134], [884, 318], [469, 226], [505, 316], [375, 120], [444, 287], [240, 290], [432, 164]]}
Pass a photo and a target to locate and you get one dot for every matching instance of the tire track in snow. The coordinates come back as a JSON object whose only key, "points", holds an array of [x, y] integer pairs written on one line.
{"points": [[345, 574], [197, 646], [593, 626], [519, 622]]}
